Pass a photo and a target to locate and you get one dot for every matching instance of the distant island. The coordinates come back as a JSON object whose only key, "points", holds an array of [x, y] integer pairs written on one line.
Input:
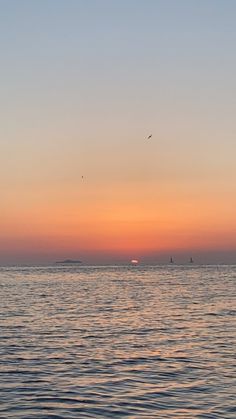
{"points": [[68, 261]]}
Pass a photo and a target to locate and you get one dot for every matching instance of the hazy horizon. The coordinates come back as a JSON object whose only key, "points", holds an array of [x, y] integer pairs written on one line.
{"points": [[199, 258], [83, 85]]}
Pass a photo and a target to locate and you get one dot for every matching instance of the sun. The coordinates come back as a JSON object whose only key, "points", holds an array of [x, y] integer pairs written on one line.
{"points": [[134, 261]]}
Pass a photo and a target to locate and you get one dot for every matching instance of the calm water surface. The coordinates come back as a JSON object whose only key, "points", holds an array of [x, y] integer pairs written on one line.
{"points": [[107, 342]]}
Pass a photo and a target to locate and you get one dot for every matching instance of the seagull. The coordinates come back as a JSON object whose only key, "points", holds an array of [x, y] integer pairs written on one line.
{"points": [[150, 136]]}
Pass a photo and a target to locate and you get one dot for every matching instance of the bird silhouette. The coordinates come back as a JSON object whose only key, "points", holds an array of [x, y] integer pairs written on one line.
{"points": [[150, 136]]}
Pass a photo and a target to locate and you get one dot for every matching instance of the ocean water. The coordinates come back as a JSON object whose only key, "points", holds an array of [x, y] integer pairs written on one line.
{"points": [[118, 342]]}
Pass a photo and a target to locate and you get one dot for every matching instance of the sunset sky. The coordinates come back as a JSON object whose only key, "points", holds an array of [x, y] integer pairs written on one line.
{"points": [[82, 85]]}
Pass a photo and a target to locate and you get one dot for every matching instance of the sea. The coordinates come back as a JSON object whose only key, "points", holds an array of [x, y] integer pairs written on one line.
{"points": [[118, 342]]}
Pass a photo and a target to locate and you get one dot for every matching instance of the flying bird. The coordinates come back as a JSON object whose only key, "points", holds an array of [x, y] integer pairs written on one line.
{"points": [[150, 136]]}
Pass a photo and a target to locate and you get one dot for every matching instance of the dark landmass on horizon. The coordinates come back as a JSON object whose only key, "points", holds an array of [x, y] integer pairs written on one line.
{"points": [[68, 261]]}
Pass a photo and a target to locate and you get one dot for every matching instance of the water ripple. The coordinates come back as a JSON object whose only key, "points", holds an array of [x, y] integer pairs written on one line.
{"points": [[106, 342]]}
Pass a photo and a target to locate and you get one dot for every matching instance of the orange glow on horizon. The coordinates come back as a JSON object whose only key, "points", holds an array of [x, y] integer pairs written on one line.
{"points": [[118, 221]]}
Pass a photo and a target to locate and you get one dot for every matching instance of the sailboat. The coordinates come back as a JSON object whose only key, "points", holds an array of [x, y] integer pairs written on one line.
{"points": [[191, 260], [171, 260]]}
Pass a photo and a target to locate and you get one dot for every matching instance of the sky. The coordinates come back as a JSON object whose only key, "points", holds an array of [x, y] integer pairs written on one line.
{"points": [[82, 86]]}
